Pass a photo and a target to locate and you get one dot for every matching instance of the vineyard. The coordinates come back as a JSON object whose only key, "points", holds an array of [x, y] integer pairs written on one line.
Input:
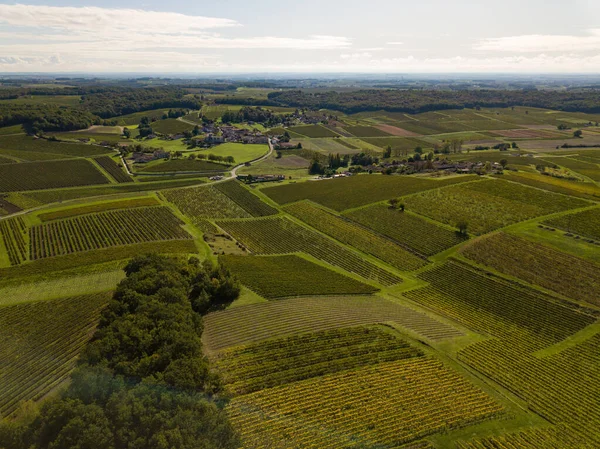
{"points": [[281, 276], [365, 189], [103, 230], [585, 223], [407, 229], [384, 406], [185, 165], [253, 323], [537, 264], [246, 200], [98, 207], [562, 387], [49, 175], [351, 234], [557, 185], [277, 362], [199, 203], [41, 341], [497, 308], [113, 169], [14, 234], [32, 149], [282, 236], [549, 438]]}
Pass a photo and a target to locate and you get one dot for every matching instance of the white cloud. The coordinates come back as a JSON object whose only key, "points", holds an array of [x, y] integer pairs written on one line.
{"points": [[536, 43], [395, 43]]}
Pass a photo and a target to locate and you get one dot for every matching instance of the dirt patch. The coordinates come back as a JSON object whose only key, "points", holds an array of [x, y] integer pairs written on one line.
{"points": [[395, 131]]}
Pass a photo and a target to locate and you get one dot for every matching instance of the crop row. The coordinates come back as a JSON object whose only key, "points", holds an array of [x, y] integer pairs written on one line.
{"points": [[247, 324], [496, 307], [563, 387], [245, 199], [385, 405], [351, 234], [407, 229], [49, 175], [98, 207], [103, 230], [281, 276], [41, 341], [537, 264], [282, 236], [586, 223], [560, 437], [203, 202], [265, 365], [346, 193], [113, 169], [13, 232]]}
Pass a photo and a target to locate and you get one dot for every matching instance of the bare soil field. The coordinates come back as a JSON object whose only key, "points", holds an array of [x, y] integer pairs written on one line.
{"points": [[395, 131]]}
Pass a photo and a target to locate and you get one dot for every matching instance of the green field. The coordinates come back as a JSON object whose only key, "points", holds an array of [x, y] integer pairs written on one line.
{"points": [[171, 126], [239, 151], [183, 165], [32, 149], [284, 276]]}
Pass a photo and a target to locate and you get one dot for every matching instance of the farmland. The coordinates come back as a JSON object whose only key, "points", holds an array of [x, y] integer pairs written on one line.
{"points": [[534, 263], [49, 175], [205, 202], [245, 199], [97, 207], [171, 126], [96, 231], [586, 224], [42, 341], [281, 276], [407, 229], [313, 131], [366, 189], [375, 405], [356, 236], [30, 149], [277, 362], [282, 236], [113, 169], [241, 152], [184, 165]]}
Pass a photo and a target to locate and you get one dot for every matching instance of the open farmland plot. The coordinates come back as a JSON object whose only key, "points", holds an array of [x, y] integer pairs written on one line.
{"points": [[399, 145], [134, 119], [527, 134], [171, 126], [245, 199], [497, 308], [351, 234], [491, 205], [384, 406], [284, 276], [538, 264], [185, 165], [241, 152], [98, 207], [113, 169], [408, 229], [396, 131], [562, 386], [366, 131], [588, 169], [267, 364], [27, 147], [41, 342], [253, 323], [49, 175], [283, 236], [586, 190], [205, 202], [585, 223], [313, 131], [103, 230], [548, 437], [14, 234], [346, 193]]}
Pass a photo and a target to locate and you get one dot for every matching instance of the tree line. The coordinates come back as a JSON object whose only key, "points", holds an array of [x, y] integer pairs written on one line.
{"points": [[142, 381]]}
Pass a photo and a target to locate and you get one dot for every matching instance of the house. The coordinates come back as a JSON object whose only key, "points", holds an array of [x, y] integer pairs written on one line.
{"points": [[212, 139]]}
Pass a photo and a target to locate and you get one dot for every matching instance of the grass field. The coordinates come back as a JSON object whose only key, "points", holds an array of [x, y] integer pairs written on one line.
{"points": [[285, 276], [333, 193], [351, 234], [184, 165], [41, 344], [49, 175], [240, 152], [253, 323]]}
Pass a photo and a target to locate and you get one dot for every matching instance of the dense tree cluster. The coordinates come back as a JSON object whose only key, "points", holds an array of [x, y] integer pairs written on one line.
{"points": [[142, 382], [416, 101], [249, 114], [45, 117]]}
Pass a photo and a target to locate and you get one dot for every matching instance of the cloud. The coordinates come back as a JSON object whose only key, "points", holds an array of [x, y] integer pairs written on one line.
{"points": [[395, 43], [538, 43]]}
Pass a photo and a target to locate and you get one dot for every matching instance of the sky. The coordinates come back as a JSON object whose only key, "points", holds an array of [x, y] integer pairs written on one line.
{"points": [[301, 36]]}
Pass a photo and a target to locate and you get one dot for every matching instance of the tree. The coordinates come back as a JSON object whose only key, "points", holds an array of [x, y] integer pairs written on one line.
{"points": [[578, 134], [462, 227], [388, 152], [393, 203], [503, 162], [279, 154], [126, 133]]}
